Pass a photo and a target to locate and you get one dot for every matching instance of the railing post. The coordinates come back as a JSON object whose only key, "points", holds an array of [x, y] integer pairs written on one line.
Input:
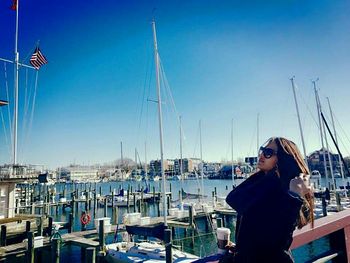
{"points": [[347, 242], [337, 242]]}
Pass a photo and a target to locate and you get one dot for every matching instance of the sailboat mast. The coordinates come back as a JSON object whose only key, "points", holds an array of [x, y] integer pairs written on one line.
{"points": [[321, 131], [145, 159], [232, 167], [156, 59], [15, 110], [121, 153], [257, 141], [257, 133], [136, 158], [201, 153], [336, 140], [327, 145], [181, 171], [300, 127]]}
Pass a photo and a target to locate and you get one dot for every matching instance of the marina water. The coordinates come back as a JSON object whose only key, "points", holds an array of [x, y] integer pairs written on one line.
{"points": [[204, 242]]}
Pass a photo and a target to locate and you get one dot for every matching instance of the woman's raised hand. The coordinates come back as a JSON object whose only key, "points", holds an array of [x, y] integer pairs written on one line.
{"points": [[301, 185]]}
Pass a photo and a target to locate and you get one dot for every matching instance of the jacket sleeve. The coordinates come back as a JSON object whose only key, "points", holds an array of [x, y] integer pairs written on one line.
{"points": [[286, 221], [251, 191]]}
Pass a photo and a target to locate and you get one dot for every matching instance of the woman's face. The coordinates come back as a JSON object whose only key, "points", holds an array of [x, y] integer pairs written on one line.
{"points": [[267, 157]]}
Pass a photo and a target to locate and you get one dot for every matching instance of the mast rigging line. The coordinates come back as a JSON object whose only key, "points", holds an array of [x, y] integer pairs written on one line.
{"points": [[27, 99], [32, 109], [5, 133], [346, 136], [147, 80], [336, 145], [8, 113], [170, 96], [307, 106]]}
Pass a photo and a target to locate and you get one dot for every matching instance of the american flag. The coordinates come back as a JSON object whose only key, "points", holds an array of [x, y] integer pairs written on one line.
{"points": [[14, 5], [38, 59]]}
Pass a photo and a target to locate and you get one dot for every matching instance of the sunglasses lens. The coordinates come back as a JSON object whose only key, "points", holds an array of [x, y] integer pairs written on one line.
{"points": [[267, 152]]}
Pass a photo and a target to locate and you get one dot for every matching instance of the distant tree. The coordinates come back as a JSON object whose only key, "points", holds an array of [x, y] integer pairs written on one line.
{"points": [[126, 164]]}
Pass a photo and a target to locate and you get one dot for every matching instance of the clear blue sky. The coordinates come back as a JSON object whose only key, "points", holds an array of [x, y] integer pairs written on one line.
{"points": [[222, 60]]}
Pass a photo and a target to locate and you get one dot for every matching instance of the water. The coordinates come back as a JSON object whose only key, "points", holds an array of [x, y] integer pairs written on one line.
{"points": [[205, 243]]}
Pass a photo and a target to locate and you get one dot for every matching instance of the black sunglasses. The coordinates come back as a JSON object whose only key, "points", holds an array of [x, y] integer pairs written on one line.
{"points": [[267, 152]]}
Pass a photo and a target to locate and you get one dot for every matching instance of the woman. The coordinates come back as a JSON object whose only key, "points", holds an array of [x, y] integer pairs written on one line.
{"points": [[271, 203]]}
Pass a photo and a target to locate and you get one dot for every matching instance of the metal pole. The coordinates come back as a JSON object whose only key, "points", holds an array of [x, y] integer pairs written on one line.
{"points": [[156, 58], [180, 163], [336, 140], [300, 127], [201, 153], [321, 133], [257, 134], [168, 250], [16, 69], [327, 145], [146, 172], [232, 167]]}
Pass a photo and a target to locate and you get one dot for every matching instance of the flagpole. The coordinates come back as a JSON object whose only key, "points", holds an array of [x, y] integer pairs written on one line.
{"points": [[16, 68]]}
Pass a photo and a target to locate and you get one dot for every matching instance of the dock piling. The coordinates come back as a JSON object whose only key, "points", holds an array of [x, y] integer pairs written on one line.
{"points": [[101, 234], [90, 255], [168, 250], [70, 227], [3, 235], [106, 207], [30, 251], [115, 215], [28, 226], [55, 250], [49, 228]]}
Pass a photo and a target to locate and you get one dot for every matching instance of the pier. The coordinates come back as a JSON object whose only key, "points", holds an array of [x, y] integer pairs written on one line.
{"points": [[35, 208]]}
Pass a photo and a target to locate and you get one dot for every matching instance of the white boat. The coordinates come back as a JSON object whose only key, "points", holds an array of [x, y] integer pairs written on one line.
{"points": [[154, 178], [119, 201], [127, 252]]}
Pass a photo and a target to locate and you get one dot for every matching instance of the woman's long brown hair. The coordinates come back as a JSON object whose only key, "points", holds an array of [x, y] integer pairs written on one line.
{"points": [[289, 165]]}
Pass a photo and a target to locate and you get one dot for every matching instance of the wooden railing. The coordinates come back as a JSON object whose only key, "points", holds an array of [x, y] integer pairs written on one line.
{"points": [[337, 228]]}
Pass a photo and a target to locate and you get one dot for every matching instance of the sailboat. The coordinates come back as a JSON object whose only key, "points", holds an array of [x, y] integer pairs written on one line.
{"points": [[149, 251]]}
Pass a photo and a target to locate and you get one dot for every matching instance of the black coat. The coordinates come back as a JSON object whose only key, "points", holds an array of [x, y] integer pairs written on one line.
{"points": [[267, 217]]}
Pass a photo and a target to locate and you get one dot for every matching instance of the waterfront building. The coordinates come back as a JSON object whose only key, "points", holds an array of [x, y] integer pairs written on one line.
{"points": [[189, 165], [7, 199], [316, 161], [155, 167], [211, 168], [10, 175], [78, 173]]}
